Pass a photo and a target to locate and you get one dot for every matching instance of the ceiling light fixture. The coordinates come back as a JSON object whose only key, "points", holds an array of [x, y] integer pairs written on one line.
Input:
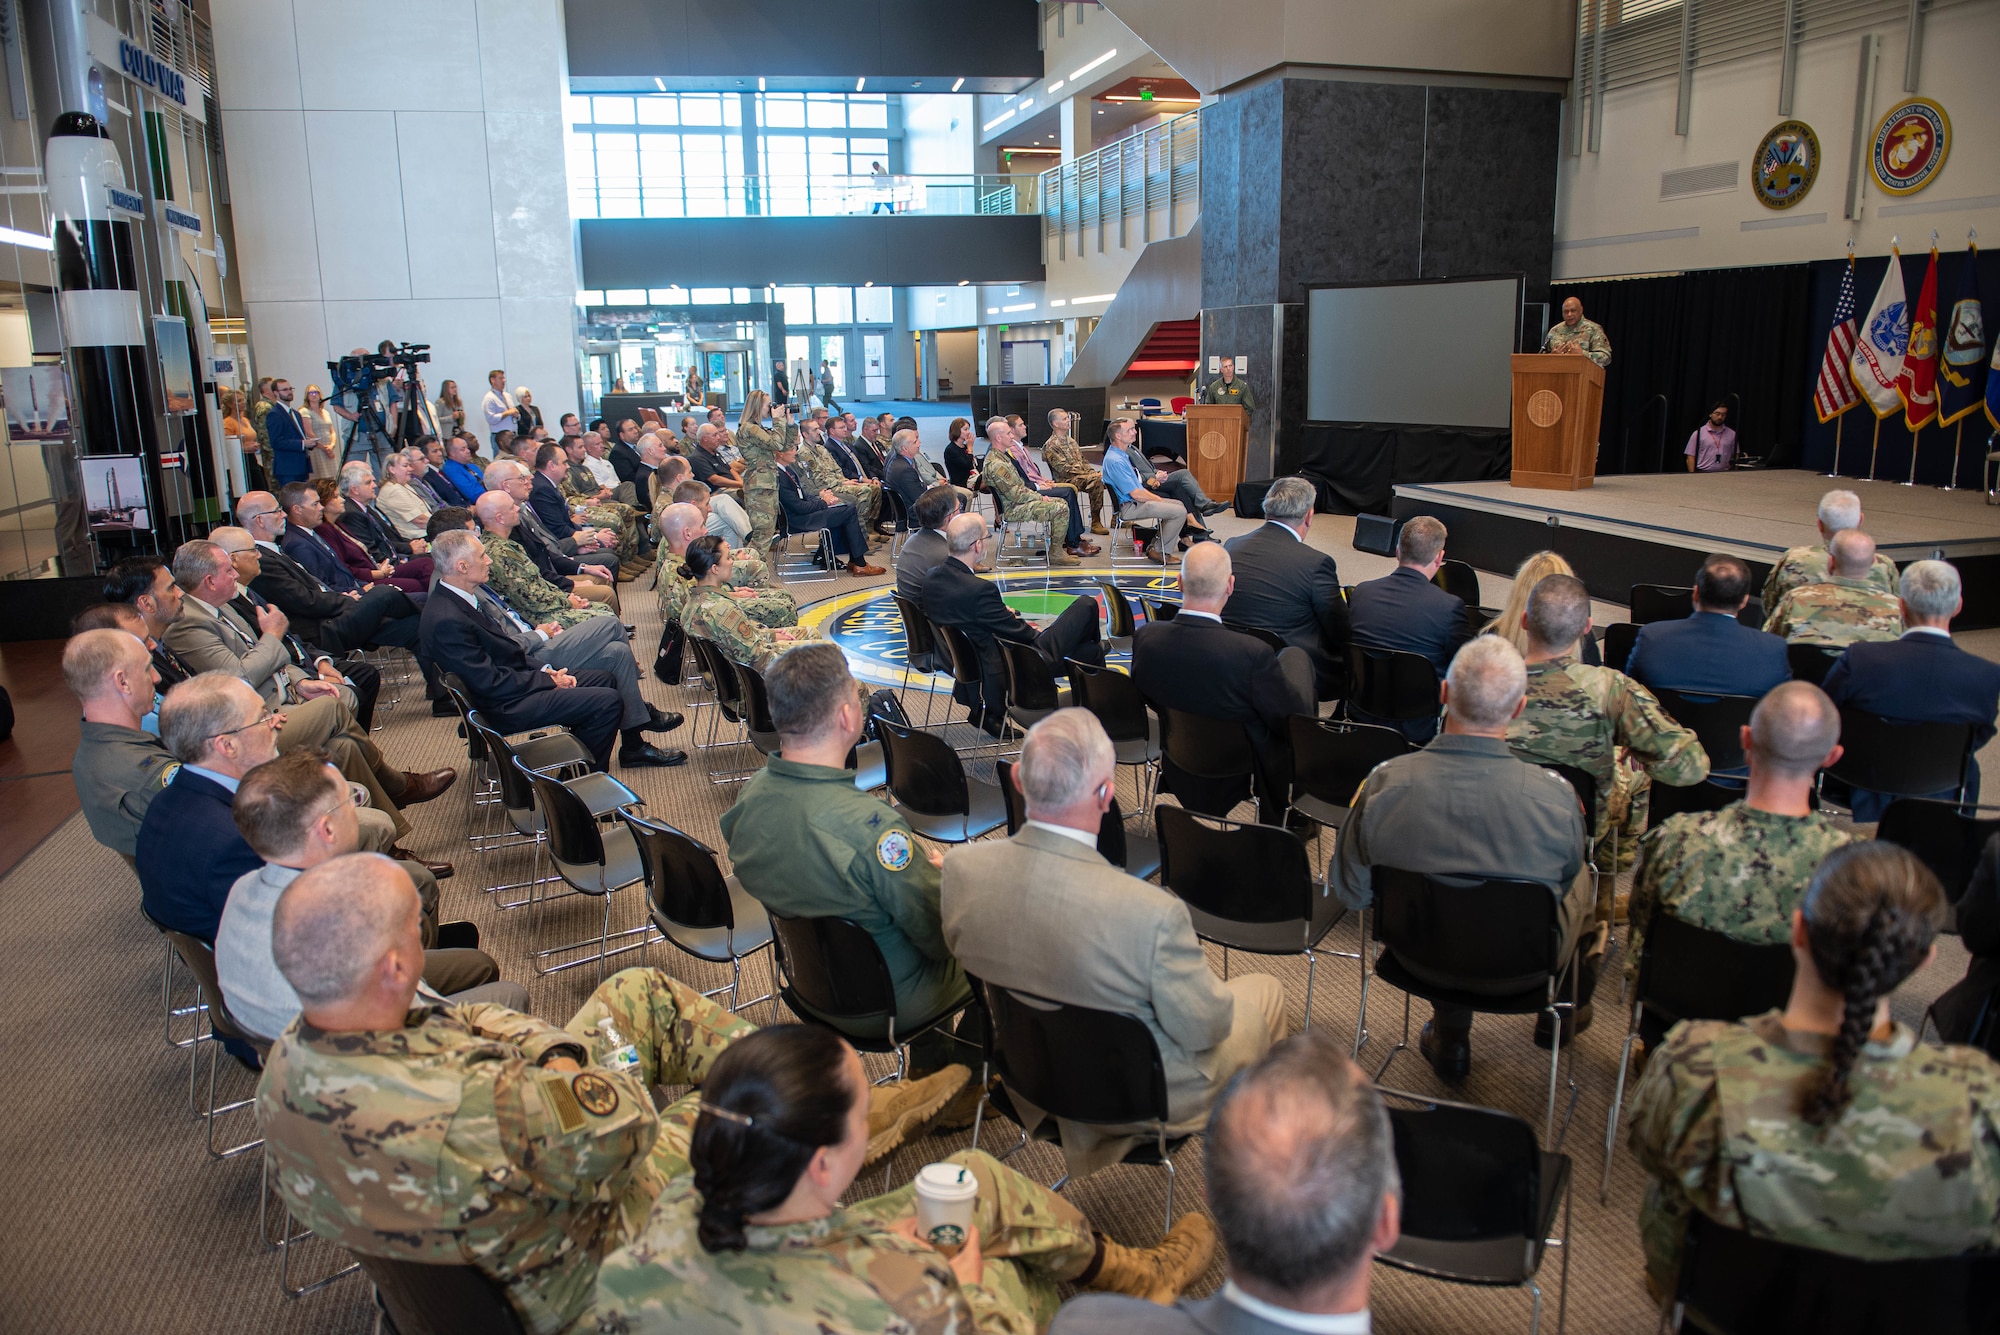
{"points": [[1024, 306], [963, 281], [960, 84], [1055, 87], [860, 83], [1102, 296], [998, 121], [760, 83], [659, 83], [992, 310], [1078, 74], [869, 283], [1057, 302], [1027, 102]]}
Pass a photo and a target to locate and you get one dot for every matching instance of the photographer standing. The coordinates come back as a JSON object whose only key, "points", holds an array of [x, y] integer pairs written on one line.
{"points": [[362, 441]]}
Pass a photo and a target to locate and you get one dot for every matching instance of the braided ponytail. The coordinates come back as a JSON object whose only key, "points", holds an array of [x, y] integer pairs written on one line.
{"points": [[1871, 914]]}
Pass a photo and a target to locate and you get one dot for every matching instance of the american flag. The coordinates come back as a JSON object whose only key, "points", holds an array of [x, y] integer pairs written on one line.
{"points": [[1835, 393]]}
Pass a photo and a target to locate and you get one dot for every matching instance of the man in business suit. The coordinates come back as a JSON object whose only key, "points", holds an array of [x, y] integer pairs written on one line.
{"points": [[545, 498], [1711, 652], [1196, 664], [509, 690], [1922, 677], [305, 544], [624, 457], [189, 850], [955, 596], [318, 709], [289, 462], [1012, 909], [902, 476], [336, 622], [375, 531], [808, 509], [1299, 1170], [1289, 588], [359, 676], [146, 585], [1403, 610]]}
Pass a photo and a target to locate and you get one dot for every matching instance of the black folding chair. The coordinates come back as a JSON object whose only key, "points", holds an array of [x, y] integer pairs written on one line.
{"points": [[697, 909], [1330, 760], [931, 789], [592, 859], [1693, 973], [1032, 692], [1119, 621], [720, 673], [1214, 749], [1460, 580], [1479, 1198], [1733, 1282], [1258, 633], [1081, 1065], [1946, 837], [1619, 638], [1666, 800], [1660, 602], [1811, 662], [920, 651], [832, 973], [1391, 684], [1716, 720], [966, 669], [1115, 700], [199, 959], [562, 757], [1471, 929], [899, 517], [419, 1298], [1901, 759], [756, 709], [1248, 887], [1159, 609], [1138, 855]]}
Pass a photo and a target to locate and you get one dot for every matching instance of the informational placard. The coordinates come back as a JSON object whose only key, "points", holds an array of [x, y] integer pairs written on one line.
{"points": [[176, 365], [180, 219], [37, 402]]}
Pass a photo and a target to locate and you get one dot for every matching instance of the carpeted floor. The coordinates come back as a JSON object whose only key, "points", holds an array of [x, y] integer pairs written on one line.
{"points": [[116, 1218]]}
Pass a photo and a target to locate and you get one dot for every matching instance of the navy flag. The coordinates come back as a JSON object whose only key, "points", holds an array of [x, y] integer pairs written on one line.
{"points": [[1962, 364]]}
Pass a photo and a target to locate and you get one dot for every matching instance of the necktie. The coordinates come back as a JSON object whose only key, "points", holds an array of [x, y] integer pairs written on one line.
{"points": [[489, 595]]}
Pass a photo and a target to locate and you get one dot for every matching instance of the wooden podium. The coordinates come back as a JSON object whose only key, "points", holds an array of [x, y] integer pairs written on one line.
{"points": [[1557, 398], [1215, 446]]}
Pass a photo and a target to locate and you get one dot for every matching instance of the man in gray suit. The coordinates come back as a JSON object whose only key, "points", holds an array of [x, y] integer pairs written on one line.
{"points": [[1301, 1175], [1011, 911]]}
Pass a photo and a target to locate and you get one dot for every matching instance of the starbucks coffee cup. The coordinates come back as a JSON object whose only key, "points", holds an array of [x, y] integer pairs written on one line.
{"points": [[946, 1193]]}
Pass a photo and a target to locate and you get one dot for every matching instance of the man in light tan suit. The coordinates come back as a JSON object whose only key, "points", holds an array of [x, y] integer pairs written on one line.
{"points": [[1044, 913]]}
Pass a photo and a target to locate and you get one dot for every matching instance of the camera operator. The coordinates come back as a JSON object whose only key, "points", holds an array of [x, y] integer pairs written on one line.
{"points": [[360, 403]]}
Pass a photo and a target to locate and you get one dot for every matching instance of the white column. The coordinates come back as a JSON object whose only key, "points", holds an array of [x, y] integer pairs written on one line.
{"points": [[396, 171], [1074, 117]]}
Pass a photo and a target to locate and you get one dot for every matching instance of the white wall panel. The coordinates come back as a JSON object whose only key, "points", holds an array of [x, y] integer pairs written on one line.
{"points": [[540, 336], [532, 233], [360, 55], [277, 244], [288, 338], [358, 213], [446, 206], [256, 43]]}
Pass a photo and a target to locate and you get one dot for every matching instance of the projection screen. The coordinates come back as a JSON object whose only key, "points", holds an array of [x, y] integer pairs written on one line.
{"points": [[1424, 354]]}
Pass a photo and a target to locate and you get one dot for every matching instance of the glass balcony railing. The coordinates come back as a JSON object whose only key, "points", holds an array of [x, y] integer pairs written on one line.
{"points": [[803, 196], [1144, 187]]}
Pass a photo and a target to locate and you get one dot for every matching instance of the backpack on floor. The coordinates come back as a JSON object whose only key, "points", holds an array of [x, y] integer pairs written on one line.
{"points": [[667, 659], [884, 704]]}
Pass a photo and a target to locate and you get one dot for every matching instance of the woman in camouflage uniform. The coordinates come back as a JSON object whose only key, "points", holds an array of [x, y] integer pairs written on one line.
{"points": [[1826, 1125], [712, 614], [760, 463], [756, 1238]]}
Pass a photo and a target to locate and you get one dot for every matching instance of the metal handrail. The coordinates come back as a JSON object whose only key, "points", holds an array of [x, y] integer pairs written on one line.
{"points": [[1126, 181], [796, 196]]}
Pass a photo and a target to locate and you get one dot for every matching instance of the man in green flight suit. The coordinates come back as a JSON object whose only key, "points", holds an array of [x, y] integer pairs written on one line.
{"points": [[1229, 389], [806, 843]]}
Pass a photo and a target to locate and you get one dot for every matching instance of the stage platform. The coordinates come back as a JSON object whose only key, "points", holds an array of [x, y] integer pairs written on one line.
{"points": [[1655, 528]]}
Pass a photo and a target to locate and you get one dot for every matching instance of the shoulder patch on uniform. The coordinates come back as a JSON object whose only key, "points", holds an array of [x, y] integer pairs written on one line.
{"points": [[167, 775], [595, 1093], [893, 850], [563, 1107]]}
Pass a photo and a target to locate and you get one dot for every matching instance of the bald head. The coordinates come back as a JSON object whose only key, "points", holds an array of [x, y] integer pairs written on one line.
{"points": [[1205, 574], [963, 533], [1852, 553], [232, 539], [336, 924], [681, 524], [492, 507], [1792, 731], [92, 662]]}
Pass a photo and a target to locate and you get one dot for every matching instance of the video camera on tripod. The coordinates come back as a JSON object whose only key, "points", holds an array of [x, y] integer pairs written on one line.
{"points": [[358, 374]]}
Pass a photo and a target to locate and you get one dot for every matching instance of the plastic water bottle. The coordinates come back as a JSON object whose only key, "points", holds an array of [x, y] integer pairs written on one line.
{"points": [[617, 1054]]}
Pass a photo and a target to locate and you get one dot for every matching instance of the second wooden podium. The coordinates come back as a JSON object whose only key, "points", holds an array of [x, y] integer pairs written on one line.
{"points": [[1557, 398]]}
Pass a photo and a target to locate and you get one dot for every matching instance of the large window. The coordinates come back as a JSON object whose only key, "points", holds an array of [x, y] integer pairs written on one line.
{"points": [[694, 155]]}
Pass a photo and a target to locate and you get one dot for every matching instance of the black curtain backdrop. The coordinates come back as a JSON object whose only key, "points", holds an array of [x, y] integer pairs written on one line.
{"points": [[1856, 427], [1681, 343], [1355, 465]]}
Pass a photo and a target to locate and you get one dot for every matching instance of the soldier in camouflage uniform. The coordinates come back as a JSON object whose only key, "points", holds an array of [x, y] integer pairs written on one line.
{"points": [[866, 498], [1576, 334], [580, 487], [1838, 511], [1600, 721], [1846, 608], [757, 592], [1022, 504], [1064, 458], [1816, 1125], [711, 614], [514, 573], [760, 465], [1742, 870]]}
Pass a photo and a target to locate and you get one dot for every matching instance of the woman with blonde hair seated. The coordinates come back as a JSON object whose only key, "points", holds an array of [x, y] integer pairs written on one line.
{"points": [[1538, 567]]}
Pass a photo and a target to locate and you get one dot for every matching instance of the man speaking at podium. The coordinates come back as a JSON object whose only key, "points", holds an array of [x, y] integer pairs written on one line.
{"points": [[1576, 334], [1229, 389]]}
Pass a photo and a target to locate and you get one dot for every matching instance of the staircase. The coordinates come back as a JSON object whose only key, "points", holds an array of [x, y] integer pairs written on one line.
{"points": [[1159, 297], [1172, 350]]}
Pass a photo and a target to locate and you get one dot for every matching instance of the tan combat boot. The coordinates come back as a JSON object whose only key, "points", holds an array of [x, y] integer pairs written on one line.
{"points": [[1157, 1274], [897, 1112]]}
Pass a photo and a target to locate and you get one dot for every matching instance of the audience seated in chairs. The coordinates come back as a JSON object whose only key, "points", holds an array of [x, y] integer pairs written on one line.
{"points": [[758, 1240], [1467, 805], [1534, 568], [1404, 611], [1300, 1170], [1847, 607], [1710, 652], [713, 611], [1826, 1124], [145, 585], [1028, 498], [752, 587], [1600, 721], [1922, 677], [1839, 510], [518, 578], [808, 510], [955, 596], [595, 577], [296, 812], [1290, 588], [927, 547], [1196, 664], [806, 844], [1011, 913], [1742, 870]]}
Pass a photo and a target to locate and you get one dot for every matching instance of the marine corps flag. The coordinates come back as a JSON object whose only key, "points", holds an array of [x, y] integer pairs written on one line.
{"points": [[1916, 383], [1962, 360], [1881, 341]]}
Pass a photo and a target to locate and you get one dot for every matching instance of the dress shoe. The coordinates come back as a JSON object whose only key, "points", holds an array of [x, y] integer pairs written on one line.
{"points": [[443, 709], [1450, 1055], [1214, 508], [1098, 528], [864, 571], [458, 936], [986, 569], [1086, 549], [664, 720], [443, 871], [423, 787], [633, 757], [1571, 1026]]}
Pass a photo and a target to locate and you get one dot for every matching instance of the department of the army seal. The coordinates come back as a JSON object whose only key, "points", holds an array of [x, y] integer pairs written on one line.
{"points": [[1785, 165], [595, 1093], [893, 850]]}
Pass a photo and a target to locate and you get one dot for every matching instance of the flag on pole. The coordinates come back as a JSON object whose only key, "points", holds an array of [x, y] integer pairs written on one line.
{"points": [[1834, 394], [1993, 387], [1916, 383], [1880, 341], [1962, 360]]}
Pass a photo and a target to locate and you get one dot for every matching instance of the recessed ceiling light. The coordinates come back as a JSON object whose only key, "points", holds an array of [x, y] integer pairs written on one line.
{"points": [[869, 283], [860, 83], [963, 281], [960, 84], [916, 83], [760, 83], [659, 83]]}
